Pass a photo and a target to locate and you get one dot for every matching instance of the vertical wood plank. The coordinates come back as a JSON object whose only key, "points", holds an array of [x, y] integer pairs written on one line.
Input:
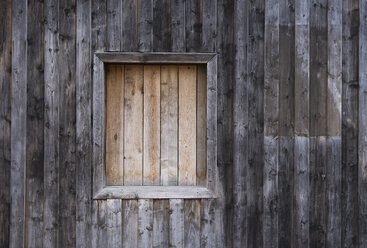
{"points": [[99, 219], [83, 124], [145, 25], [161, 25], [317, 211], [286, 120], [334, 108], [51, 142], [192, 223], [178, 26], [129, 26], [350, 156], [255, 63], [169, 124], [114, 223], [35, 121], [133, 144], [362, 138], [301, 128], [161, 223], [240, 123], [99, 25], [209, 25], [115, 124], [301, 193], [207, 223], [318, 67], [176, 223], [130, 223], [114, 18], [145, 223], [193, 25], [18, 122], [224, 45], [201, 119], [271, 123], [151, 162], [187, 125], [5, 120], [67, 82]]}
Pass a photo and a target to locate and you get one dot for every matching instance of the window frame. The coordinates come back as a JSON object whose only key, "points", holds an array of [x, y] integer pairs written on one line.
{"points": [[103, 191]]}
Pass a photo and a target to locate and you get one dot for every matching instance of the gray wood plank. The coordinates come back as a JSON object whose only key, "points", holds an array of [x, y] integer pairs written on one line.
{"points": [[51, 129], [224, 43], [5, 118], [333, 224], [318, 67], [145, 25], [35, 121], [176, 223], [161, 223], [285, 191], [317, 184], [271, 123], [301, 192], [192, 223], [145, 223], [99, 227], [207, 223], [161, 25], [83, 125], [193, 25], [177, 25], [99, 25], [114, 223], [255, 63], [209, 25], [114, 18], [130, 223], [128, 26], [18, 123], [362, 139], [240, 122], [67, 84], [350, 84]]}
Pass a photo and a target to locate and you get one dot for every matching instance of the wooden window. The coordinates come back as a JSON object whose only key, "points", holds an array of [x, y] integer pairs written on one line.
{"points": [[154, 125]]}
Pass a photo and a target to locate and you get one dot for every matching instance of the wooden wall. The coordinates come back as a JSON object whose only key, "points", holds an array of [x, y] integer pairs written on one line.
{"points": [[292, 135]]}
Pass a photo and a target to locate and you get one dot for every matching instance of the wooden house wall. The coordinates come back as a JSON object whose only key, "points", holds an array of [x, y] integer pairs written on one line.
{"points": [[292, 139]]}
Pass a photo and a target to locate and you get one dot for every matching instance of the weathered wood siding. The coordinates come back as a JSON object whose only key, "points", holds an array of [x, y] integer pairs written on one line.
{"points": [[292, 119]]}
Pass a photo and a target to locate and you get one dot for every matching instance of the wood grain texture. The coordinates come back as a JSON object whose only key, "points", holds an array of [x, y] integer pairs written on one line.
{"points": [[5, 120], [129, 26], [176, 223], [99, 225], [240, 122], [130, 223], [114, 18], [161, 223], [169, 125], [193, 25], [192, 223], [133, 115], [51, 115], [35, 121], [201, 130], [114, 223], [362, 138], [207, 223], [161, 25], [67, 115], [83, 124], [350, 84], [209, 25], [18, 123], [152, 131], [145, 223], [187, 125], [178, 33], [145, 25], [115, 84]]}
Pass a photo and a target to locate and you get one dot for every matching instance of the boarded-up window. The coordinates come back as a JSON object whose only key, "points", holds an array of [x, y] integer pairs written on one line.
{"points": [[156, 124]]}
